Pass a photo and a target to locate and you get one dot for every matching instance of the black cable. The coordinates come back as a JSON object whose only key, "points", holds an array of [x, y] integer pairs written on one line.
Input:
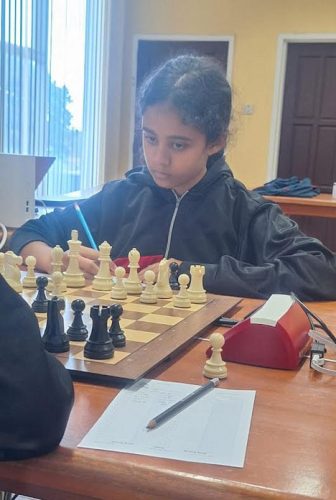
{"points": [[313, 315]]}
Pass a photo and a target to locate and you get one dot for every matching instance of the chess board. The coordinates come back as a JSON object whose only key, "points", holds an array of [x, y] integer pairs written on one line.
{"points": [[153, 332]]}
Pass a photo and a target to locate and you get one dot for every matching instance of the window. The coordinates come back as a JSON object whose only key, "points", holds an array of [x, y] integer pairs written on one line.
{"points": [[51, 87]]}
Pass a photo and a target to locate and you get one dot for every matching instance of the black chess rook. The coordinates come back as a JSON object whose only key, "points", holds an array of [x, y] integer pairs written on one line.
{"points": [[99, 345]]}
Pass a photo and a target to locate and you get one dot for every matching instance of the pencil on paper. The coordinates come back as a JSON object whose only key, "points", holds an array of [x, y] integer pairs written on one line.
{"points": [[180, 405], [85, 226]]}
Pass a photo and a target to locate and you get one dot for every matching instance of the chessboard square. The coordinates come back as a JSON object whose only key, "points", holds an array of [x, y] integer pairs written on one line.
{"points": [[140, 336], [174, 311], [193, 307], [133, 315], [124, 322], [118, 356], [161, 319], [144, 308], [146, 326]]}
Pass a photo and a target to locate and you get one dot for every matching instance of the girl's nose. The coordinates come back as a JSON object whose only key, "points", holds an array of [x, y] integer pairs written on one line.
{"points": [[162, 156]]}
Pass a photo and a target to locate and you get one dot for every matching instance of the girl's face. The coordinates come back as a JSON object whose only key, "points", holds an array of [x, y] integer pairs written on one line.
{"points": [[176, 154]]}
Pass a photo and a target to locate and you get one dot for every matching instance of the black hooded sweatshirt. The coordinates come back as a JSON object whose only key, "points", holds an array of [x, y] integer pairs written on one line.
{"points": [[36, 391], [248, 246]]}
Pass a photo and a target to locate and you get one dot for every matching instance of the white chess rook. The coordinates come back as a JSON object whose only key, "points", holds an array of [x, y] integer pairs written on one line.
{"points": [[196, 292]]}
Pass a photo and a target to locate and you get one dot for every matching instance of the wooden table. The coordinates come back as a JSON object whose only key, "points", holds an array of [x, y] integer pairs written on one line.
{"points": [[291, 451], [323, 205]]}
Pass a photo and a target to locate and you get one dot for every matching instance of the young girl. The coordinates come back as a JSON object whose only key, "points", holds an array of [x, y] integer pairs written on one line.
{"points": [[185, 204]]}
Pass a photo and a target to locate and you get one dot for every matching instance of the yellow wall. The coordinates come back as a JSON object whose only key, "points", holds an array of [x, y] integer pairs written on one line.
{"points": [[255, 26]]}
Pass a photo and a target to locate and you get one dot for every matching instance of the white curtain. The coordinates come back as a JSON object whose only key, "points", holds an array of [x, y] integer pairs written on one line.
{"points": [[53, 87]]}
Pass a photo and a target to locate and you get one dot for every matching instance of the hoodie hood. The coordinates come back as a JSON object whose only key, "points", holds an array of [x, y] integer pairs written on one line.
{"points": [[36, 392]]}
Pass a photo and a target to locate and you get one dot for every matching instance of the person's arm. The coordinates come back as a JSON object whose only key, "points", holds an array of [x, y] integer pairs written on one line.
{"points": [[275, 257], [87, 259], [37, 237]]}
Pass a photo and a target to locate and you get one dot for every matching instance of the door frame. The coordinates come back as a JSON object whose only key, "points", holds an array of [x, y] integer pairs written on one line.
{"points": [[279, 87], [175, 38]]}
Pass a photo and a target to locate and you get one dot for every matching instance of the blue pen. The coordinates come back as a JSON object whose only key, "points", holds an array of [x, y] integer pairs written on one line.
{"points": [[85, 226]]}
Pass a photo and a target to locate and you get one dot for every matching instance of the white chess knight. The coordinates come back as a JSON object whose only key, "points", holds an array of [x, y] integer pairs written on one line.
{"points": [[103, 279], [215, 366], [133, 283], [73, 276], [162, 286], [12, 273], [196, 292]]}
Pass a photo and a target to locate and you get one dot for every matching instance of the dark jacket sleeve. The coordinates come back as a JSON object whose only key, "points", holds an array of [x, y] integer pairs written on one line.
{"points": [[55, 228], [274, 257], [36, 392]]}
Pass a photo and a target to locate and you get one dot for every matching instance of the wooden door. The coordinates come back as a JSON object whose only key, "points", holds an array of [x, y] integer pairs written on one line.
{"points": [[152, 53], [308, 130]]}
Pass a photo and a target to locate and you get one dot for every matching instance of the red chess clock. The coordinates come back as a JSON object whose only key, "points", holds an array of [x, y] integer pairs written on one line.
{"points": [[275, 336]]}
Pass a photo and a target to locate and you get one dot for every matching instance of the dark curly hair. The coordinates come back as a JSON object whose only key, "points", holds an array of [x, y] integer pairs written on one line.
{"points": [[197, 88]]}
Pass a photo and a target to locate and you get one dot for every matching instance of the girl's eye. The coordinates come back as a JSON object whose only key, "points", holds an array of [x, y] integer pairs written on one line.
{"points": [[150, 139], [178, 146]]}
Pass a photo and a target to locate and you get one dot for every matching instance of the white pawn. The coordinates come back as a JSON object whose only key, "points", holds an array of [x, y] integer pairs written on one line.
{"points": [[118, 289], [73, 276], [196, 292], [215, 366], [148, 295], [182, 298], [133, 283], [162, 286], [103, 279], [29, 281]]}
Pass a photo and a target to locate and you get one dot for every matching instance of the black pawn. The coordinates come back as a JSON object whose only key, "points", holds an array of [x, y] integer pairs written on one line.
{"points": [[54, 337], [173, 278], [116, 333], [99, 345], [77, 330], [40, 303]]}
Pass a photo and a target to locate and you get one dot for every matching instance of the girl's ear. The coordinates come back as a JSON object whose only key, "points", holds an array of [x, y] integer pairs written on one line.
{"points": [[218, 145]]}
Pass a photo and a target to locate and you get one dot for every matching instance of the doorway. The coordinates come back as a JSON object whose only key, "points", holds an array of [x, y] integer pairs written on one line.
{"points": [[308, 126]]}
